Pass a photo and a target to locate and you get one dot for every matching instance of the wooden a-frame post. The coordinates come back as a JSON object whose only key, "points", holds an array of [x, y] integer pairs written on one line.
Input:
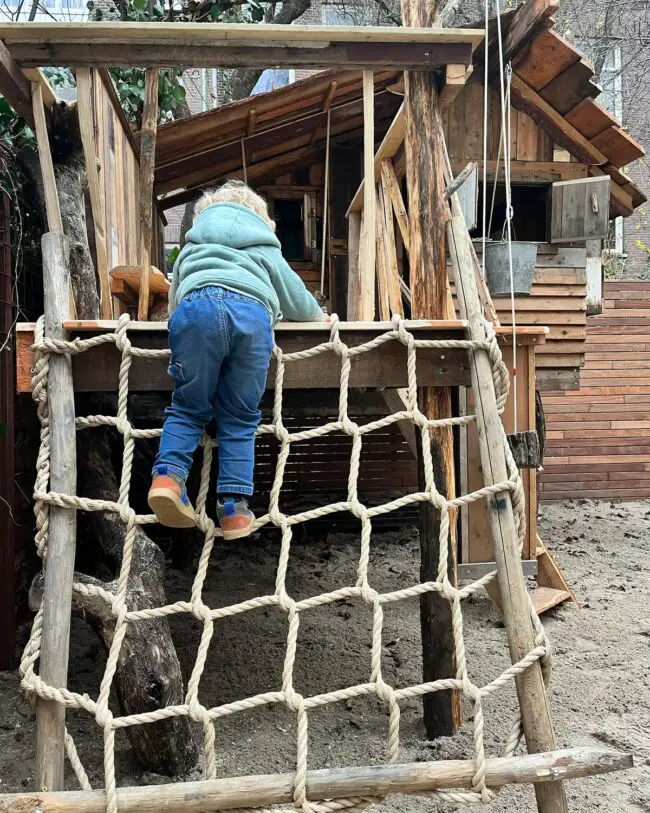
{"points": [[62, 535], [430, 299]]}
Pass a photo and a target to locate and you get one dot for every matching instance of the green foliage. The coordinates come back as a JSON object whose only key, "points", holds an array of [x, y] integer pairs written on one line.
{"points": [[59, 77], [14, 133], [129, 82], [171, 257]]}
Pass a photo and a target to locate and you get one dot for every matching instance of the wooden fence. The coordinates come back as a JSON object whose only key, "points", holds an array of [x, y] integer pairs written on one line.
{"points": [[598, 437]]}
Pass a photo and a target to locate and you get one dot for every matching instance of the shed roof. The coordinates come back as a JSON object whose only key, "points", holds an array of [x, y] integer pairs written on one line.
{"points": [[281, 128]]}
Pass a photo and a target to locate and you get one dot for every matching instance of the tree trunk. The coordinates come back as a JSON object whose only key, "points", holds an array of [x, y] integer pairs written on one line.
{"points": [[428, 215], [148, 674]]}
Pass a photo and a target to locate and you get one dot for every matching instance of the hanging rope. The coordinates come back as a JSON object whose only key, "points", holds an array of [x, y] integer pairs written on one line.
{"points": [[325, 205], [505, 76], [486, 98]]}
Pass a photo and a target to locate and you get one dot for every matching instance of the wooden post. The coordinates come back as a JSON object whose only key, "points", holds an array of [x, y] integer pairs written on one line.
{"points": [[533, 701], [428, 213], [59, 568], [383, 297], [86, 128], [7, 487], [354, 244], [147, 166], [594, 269], [52, 208], [368, 255]]}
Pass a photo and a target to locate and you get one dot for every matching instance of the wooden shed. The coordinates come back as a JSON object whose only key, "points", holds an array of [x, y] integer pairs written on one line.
{"points": [[559, 133]]}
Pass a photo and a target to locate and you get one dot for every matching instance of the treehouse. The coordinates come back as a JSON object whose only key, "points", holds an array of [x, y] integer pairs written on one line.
{"points": [[306, 148], [372, 176]]}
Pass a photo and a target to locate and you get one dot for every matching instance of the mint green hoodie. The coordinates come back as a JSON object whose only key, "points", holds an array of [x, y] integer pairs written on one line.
{"points": [[232, 247]]}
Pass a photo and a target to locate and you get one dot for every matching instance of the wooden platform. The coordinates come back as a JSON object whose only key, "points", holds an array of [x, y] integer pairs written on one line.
{"points": [[597, 436], [97, 370]]}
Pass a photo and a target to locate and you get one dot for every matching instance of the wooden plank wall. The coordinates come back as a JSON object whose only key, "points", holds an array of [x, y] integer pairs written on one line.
{"points": [[118, 163], [598, 438], [323, 464], [463, 125], [558, 301]]}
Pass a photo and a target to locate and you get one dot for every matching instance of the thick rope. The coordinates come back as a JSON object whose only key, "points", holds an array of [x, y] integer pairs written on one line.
{"points": [[362, 589]]}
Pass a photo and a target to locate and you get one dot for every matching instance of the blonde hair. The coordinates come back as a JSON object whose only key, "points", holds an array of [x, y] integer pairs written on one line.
{"points": [[235, 192]]}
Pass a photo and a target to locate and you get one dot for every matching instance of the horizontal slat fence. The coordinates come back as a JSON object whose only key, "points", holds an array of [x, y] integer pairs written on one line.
{"points": [[598, 437]]}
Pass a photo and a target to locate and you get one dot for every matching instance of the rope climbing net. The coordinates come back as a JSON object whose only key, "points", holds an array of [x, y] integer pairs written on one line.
{"points": [[362, 589]]}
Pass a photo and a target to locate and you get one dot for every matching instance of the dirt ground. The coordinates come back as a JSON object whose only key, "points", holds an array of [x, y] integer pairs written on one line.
{"points": [[600, 693]]}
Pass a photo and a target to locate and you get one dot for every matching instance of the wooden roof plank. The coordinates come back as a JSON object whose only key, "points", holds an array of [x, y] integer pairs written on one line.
{"points": [[619, 147], [590, 118], [208, 166], [526, 99], [570, 87], [526, 20], [547, 56], [208, 130]]}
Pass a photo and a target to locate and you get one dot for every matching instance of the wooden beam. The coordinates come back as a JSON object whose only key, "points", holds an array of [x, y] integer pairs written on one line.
{"points": [[526, 99], [390, 251], [534, 172], [62, 535], [331, 90], [132, 276], [354, 245], [250, 123], [85, 104], [391, 186], [8, 402], [456, 77], [147, 167], [237, 45], [14, 86], [391, 142], [329, 783], [526, 22], [533, 700], [367, 267], [383, 303], [96, 370], [52, 208], [36, 75], [428, 214]]}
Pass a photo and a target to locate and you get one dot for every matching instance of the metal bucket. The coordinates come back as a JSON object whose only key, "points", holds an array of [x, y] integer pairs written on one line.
{"points": [[497, 268]]}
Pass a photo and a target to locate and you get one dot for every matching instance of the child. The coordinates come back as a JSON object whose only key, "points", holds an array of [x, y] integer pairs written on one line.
{"points": [[230, 286]]}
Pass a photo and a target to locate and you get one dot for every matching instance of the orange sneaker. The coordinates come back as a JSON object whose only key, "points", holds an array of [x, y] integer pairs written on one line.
{"points": [[169, 501], [235, 518]]}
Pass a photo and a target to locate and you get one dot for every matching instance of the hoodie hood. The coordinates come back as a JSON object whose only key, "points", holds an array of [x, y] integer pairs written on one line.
{"points": [[231, 225]]}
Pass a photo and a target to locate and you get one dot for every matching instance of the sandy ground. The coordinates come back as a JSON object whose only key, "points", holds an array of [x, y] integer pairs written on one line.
{"points": [[600, 693]]}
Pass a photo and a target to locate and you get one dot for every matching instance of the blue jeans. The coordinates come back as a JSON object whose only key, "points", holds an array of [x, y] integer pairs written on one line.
{"points": [[221, 344]]}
